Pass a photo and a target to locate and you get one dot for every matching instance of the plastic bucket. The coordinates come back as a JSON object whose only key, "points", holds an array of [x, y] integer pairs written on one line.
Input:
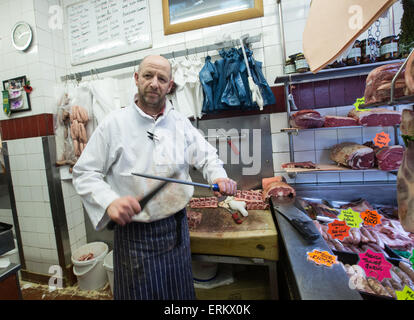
{"points": [[91, 273], [204, 271], [109, 267]]}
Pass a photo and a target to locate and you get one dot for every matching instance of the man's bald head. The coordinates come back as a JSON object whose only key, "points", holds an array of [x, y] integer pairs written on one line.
{"points": [[156, 59]]}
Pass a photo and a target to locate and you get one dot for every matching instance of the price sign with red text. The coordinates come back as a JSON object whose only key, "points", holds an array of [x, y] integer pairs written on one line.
{"points": [[338, 229], [371, 217], [375, 265], [322, 258], [382, 139]]}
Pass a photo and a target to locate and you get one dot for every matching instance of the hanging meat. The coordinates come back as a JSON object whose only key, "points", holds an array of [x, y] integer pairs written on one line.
{"points": [[78, 120], [353, 155], [306, 119], [409, 75], [405, 177]]}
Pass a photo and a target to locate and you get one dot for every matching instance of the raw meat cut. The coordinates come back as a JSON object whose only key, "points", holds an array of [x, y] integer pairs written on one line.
{"points": [[306, 119], [409, 75], [276, 187], [253, 199], [194, 219], [305, 165], [359, 205], [376, 117], [336, 121], [389, 158], [209, 202], [378, 82], [353, 155], [405, 177]]}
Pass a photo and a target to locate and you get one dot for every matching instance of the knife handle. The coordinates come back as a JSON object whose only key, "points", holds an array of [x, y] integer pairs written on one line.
{"points": [[304, 228], [215, 187]]}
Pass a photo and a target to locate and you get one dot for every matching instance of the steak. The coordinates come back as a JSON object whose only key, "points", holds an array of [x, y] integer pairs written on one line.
{"points": [[253, 199], [305, 165], [276, 187], [353, 155], [209, 202], [379, 80], [306, 119], [376, 117], [405, 177], [335, 121], [389, 158]]}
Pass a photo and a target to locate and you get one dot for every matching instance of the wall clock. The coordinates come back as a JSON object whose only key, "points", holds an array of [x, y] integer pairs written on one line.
{"points": [[22, 36]]}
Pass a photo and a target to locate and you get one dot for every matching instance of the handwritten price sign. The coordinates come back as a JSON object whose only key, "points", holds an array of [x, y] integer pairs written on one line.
{"points": [[338, 229], [382, 139], [375, 265], [359, 102], [351, 217], [322, 258], [405, 294], [371, 218]]}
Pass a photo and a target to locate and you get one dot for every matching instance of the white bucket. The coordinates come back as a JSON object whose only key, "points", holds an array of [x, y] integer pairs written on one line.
{"points": [[204, 271], [91, 273], [109, 267]]}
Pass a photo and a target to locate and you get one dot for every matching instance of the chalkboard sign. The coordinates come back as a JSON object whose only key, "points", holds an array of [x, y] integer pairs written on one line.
{"points": [[99, 29]]}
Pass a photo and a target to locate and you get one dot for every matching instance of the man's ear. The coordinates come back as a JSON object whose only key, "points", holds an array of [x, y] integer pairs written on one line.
{"points": [[171, 87], [136, 77]]}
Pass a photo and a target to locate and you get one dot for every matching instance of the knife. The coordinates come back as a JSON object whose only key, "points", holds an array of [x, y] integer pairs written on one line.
{"points": [[300, 221], [213, 187], [143, 202]]}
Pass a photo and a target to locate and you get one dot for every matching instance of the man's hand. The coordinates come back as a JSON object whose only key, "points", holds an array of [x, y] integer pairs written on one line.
{"points": [[227, 187], [123, 209]]}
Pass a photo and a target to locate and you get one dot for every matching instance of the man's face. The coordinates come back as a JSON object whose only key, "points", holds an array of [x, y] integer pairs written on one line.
{"points": [[153, 80]]}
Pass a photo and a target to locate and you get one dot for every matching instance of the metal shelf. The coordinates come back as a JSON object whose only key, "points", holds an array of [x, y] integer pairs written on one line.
{"points": [[334, 73], [297, 130]]}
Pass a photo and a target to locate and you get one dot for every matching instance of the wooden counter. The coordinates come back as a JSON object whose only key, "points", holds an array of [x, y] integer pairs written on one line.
{"points": [[219, 234]]}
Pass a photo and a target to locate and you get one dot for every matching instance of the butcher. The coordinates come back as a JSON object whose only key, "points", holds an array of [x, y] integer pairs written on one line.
{"points": [[152, 257]]}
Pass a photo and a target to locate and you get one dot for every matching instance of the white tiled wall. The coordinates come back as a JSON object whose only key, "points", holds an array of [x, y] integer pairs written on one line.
{"points": [[315, 145], [74, 215], [31, 193]]}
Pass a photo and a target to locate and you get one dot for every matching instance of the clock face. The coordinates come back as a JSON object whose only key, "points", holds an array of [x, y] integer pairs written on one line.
{"points": [[21, 36]]}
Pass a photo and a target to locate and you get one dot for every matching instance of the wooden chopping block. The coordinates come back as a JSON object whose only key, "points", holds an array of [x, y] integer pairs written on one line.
{"points": [[219, 234]]}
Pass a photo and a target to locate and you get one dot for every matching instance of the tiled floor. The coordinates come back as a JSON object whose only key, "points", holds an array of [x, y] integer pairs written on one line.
{"points": [[34, 291]]}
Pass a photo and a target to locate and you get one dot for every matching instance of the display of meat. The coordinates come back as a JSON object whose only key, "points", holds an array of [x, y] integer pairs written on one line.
{"points": [[405, 177], [209, 202], [359, 206], [253, 199], [376, 117], [306, 119], [379, 80], [389, 158], [276, 187], [409, 75], [194, 219], [305, 165], [336, 121], [353, 155]]}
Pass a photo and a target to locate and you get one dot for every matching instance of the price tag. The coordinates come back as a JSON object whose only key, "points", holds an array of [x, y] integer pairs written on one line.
{"points": [[351, 217], [382, 139], [412, 258], [371, 217], [405, 294], [322, 258], [375, 265], [338, 229], [359, 102]]}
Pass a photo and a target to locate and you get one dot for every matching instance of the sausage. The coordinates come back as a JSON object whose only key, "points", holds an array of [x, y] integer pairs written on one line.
{"points": [[405, 279], [356, 235], [83, 114], [76, 148], [82, 133], [377, 287], [386, 283], [407, 270], [367, 234]]}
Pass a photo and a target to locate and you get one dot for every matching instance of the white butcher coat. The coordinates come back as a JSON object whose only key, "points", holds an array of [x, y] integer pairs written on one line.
{"points": [[120, 145]]}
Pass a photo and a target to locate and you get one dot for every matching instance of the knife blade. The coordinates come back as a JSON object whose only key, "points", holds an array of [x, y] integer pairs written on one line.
{"points": [[144, 201], [300, 221], [213, 187]]}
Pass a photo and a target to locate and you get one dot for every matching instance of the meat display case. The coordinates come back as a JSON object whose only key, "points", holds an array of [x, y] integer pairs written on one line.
{"points": [[332, 74]]}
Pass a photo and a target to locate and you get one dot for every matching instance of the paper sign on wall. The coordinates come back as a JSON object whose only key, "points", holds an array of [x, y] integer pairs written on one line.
{"points": [[375, 265]]}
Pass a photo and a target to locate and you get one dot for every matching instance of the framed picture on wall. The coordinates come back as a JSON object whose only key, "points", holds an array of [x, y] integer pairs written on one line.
{"points": [[19, 99], [185, 15]]}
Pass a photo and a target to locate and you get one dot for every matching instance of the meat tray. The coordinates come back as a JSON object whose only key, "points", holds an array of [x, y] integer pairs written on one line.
{"points": [[6, 238]]}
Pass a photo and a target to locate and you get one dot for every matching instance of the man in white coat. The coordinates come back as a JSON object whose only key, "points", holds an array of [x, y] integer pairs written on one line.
{"points": [[152, 257]]}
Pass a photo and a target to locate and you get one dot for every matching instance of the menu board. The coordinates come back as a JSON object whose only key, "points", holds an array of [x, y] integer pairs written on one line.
{"points": [[99, 29]]}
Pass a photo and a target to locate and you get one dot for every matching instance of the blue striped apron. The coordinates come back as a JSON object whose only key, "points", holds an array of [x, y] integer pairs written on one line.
{"points": [[152, 261]]}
